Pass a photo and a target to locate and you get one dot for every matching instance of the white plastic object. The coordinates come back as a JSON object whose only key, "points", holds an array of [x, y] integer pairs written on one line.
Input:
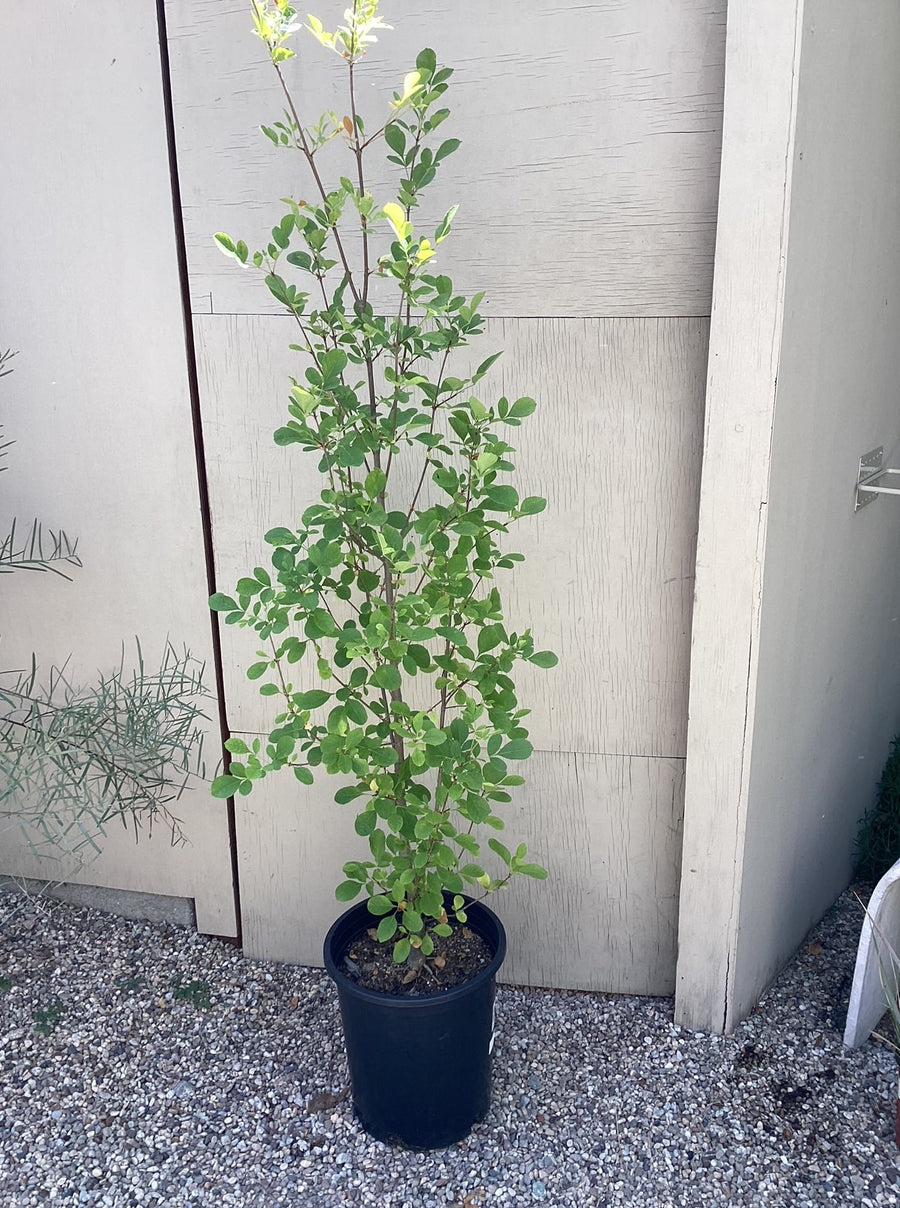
{"points": [[867, 1003]]}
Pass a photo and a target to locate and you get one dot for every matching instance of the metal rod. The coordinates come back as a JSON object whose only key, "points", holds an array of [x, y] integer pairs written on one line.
{"points": [[865, 484], [880, 490]]}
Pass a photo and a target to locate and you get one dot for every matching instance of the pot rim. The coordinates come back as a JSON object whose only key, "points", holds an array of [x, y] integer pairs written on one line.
{"points": [[347, 985]]}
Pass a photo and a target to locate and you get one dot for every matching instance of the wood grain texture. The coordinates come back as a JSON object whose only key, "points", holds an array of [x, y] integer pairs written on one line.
{"points": [[608, 585], [608, 577], [591, 138], [607, 828], [98, 405]]}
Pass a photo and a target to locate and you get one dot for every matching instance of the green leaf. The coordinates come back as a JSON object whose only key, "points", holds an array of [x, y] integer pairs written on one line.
{"points": [[426, 60], [257, 670], [365, 823], [304, 775], [401, 951], [368, 580], [222, 603], [518, 748], [280, 536], [522, 407], [503, 852], [386, 676], [320, 624], [395, 138], [485, 366], [375, 483], [300, 260], [533, 870], [387, 928], [277, 288], [419, 656], [435, 738], [348, 793], [225, 786], [287, 436], [501, 499], [347, 891], [333, 363], [226, 244], [446, 148], [489, 637], [412, 921], [446, 222], [531, 505], [544, 658], [311, 700], [380, 905]]}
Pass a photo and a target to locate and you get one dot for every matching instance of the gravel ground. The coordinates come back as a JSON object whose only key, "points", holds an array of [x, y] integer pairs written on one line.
{"points": [[145, 1065]]}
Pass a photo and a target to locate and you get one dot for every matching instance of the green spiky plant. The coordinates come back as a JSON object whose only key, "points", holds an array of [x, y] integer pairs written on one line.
{"points": [[74, 759], [386, 585]]}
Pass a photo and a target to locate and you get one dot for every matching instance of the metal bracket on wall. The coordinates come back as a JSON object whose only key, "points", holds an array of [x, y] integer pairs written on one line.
{"points": [[871, 469]]}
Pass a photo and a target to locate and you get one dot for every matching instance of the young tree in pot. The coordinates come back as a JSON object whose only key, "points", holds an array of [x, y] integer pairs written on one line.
{"points": [[387, 583]]}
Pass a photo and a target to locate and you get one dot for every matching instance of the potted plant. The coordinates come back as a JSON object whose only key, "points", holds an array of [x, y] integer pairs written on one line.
{"points": [[386, 587]]}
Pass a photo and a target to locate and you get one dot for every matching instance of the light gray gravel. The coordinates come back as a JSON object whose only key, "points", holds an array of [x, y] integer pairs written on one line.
{"points": [[139, 1097]]}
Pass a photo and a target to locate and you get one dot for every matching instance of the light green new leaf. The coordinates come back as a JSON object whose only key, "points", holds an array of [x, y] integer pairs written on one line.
{"points": [[443, 229], [396, 216]]}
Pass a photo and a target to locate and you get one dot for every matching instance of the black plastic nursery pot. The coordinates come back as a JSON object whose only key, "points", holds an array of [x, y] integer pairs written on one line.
{"points": [[420, 1068]]}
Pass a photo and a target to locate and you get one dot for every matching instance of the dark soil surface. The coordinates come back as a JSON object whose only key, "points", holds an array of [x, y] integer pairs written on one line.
{"points": [[456, 959]]}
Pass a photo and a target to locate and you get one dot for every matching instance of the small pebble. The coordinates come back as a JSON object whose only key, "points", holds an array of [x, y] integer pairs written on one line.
{"points": [[597, 1099]]}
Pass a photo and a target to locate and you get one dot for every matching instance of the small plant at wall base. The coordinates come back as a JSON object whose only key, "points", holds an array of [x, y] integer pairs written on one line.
{"points": [[74, 759], [878, 841], [389, 580]]}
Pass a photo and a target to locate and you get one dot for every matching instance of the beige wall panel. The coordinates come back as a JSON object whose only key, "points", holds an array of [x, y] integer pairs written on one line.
{"points": [[795, 674], [828, 688], [608, 579], [607, 828], [292, 841], [745, 330], [591, 138], [98, 404]]}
